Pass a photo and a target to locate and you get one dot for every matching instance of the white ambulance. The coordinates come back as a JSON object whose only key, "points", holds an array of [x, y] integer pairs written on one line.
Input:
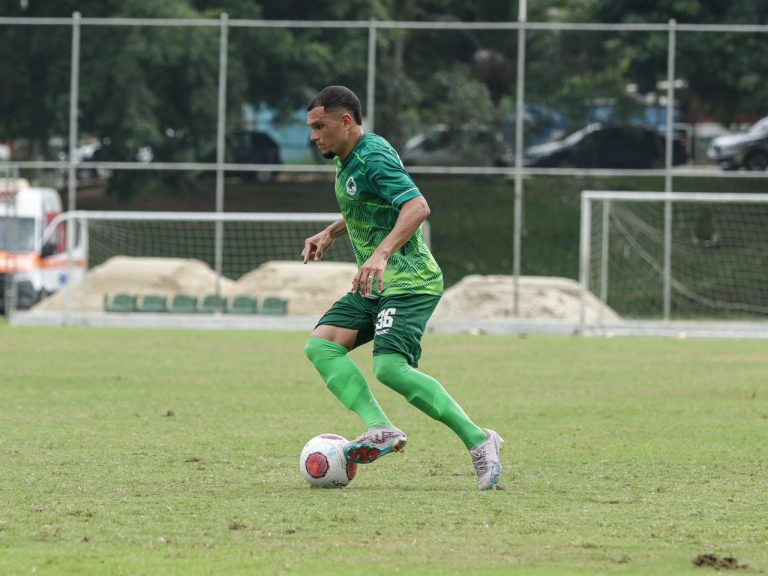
{"points": [[34, 266]]}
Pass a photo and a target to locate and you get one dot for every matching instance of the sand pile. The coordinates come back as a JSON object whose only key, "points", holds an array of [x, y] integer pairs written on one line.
{"points": [[310, 289], [139, 276], [491, 297]]}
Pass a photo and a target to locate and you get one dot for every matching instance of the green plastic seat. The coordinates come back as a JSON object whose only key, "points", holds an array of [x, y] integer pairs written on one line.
{"points": [[244, 305], [213, 303], [184, 304], [275, 306], [154, 303], [120, 303]]}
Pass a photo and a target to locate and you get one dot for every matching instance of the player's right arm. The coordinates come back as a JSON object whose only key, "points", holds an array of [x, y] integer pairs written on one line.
{"points": [[315, 246]]}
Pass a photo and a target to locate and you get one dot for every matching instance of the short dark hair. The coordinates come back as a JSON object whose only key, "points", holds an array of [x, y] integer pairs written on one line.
{"points": [[335, 98]]}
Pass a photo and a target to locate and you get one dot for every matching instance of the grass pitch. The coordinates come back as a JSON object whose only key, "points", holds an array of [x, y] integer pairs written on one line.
{"points": [[176, 452]]}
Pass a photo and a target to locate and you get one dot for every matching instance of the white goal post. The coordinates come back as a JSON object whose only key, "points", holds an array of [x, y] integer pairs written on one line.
{"points": [[684, 262]]}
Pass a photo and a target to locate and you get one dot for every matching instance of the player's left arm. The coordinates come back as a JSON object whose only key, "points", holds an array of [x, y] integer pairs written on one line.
{"points": [[413, 212]]}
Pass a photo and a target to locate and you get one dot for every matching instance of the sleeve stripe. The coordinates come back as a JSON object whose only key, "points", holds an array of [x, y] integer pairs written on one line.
{"points": [[403, 193]]}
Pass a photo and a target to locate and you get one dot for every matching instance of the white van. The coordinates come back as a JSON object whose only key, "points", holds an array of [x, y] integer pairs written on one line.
{"points": [[37, 269]]}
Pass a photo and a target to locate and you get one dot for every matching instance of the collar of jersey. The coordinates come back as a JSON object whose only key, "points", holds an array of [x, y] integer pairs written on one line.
{"points": [[349, 156]]}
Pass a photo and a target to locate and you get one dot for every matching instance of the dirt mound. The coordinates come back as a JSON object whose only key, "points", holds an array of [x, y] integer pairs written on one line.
{"points": [[491, 297], [725, 563], [139, 276], [310, 289]]}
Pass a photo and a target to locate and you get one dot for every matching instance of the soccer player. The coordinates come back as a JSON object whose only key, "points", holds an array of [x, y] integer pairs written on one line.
{"points": [[394, 292]]}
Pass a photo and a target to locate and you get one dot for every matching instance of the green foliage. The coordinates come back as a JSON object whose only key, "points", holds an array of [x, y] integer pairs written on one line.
{"points": [[403, 111], [175, 452], [145, 87], [453, 96], [721, 70], [161, 94], [34, 73]]}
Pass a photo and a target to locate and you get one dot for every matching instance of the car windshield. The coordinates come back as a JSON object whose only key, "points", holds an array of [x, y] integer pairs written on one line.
{"points": [[17, 234], [760, 125], [415, 141], [578, 135]]}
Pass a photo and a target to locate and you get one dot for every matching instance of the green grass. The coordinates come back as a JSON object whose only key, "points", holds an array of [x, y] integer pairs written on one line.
{"points": [[175, 452]]}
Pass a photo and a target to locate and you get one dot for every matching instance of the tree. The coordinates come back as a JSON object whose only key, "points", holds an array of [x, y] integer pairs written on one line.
{"points": [[724, 76], [156, 88], [34, 86]]}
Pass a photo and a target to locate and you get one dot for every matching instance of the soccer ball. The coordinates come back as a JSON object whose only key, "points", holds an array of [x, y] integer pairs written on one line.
{"points": [[322, 462]]}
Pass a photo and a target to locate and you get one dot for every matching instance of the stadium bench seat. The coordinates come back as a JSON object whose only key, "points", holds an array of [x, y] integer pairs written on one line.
{"points": [[275, 306], [213, 303], [244, 305], [120, 303], [154, 303], [184, 304]]}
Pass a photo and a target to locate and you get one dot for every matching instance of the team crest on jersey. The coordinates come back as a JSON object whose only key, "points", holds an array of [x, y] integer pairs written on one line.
{"points": [[351, 186]]}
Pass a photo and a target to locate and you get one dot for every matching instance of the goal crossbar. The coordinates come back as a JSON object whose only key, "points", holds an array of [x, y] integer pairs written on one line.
{"points": [[191, 217], [674, 196]]}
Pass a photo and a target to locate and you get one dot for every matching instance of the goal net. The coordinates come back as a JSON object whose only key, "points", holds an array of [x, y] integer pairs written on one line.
{"points": [[142, 261], [676, 256], [231, 244]]}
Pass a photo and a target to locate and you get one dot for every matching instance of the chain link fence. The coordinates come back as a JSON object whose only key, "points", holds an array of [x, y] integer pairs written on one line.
{"points": [[488, 120]]}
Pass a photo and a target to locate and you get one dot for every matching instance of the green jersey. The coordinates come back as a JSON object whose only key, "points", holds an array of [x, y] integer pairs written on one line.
{"points": [[371, 185]]}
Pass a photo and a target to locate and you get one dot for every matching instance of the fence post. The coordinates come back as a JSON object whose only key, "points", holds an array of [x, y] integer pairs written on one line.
{"points": [[370, 96], [220, 149], [74, 96], [522, 17], [667, 281], [584, 259]]}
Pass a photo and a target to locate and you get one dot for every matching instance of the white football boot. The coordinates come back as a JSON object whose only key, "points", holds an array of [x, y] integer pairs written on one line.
{"points": [[486, 460], [374, 444]]}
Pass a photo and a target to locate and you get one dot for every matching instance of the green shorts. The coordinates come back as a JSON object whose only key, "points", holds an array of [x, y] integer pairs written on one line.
{"points": [[394, 323]]}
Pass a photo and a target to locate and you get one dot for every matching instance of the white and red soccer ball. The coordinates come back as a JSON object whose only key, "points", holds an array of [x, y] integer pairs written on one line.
{"points": [[322, 462]]}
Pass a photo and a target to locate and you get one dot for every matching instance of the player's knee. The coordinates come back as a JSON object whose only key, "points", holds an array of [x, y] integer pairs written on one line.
{"points": [[319, 350], [389, 369], [311, 350], [394, 371], [316, 350]]}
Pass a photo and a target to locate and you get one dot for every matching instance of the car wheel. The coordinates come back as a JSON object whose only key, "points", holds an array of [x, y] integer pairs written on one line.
{"points": [[87, 174], [757, 160], [566, 162]]}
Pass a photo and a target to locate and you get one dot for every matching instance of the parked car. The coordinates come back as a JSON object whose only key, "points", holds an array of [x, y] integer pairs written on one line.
{"points": [[90, 151], [744, 150], [607, 146], [541, 125], [252, 147], [472, 145]]}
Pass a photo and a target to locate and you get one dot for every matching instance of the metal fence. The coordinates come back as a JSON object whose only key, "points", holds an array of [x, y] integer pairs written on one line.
{"points": [[374, 29]]}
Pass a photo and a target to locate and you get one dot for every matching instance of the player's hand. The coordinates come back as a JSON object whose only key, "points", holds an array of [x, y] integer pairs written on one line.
{"points": [[370, 272], [315, 246]]}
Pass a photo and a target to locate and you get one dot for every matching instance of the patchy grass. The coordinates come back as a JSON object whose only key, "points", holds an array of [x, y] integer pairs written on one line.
{"points": [[176, 452]]}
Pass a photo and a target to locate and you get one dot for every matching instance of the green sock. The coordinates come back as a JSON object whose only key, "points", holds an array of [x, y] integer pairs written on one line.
{"points": [[428, 395], [345, 380]]}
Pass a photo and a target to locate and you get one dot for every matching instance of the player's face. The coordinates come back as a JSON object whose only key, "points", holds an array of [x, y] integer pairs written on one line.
{"points": [[330, 132]]}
